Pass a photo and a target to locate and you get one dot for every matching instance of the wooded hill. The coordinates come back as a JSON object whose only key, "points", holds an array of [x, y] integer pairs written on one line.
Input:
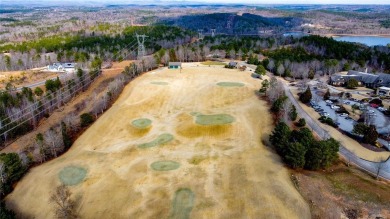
{"points": [[244, 24]]}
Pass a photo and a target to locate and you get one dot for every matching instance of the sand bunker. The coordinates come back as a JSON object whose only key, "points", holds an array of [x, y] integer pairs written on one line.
{"points": [[182, 204], [159, 83], [216, 119], [161, 139], [165, 165], [230, 84], [72, 175], [141, 123]]}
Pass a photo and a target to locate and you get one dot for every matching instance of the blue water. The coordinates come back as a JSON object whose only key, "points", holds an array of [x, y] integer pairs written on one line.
{"points": [[368, 40]]}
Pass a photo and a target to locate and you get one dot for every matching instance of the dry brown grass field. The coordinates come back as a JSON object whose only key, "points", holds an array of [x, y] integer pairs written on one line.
{"points": [[197, 152]]}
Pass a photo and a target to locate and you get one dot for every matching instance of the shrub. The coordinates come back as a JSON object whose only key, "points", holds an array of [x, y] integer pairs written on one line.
{"points": [[86, 119], [352, 83], [301, 122], [293, 113], [328, 121], [306, 96]]}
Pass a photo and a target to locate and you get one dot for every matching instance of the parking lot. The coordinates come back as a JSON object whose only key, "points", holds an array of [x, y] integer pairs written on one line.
{"points": [[346, 123]]}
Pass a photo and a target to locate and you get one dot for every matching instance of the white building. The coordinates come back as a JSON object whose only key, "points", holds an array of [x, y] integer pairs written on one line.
{"points": [[383, 91], [62, 67]]}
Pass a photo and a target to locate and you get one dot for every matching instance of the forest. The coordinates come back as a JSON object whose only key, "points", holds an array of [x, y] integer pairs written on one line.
{"points": [[81, 48]]}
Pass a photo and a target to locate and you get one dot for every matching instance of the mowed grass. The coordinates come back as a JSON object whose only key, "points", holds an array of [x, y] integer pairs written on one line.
{"points": [[215, 119], [141, 123], [161, 139], [212, 63], [182, 205], [165, 165], [72, 175]]}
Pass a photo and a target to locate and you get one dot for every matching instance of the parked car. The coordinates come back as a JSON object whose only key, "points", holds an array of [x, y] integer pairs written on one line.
{"points": [[382, 109], [348, 118], [334, 107], [328, 101], [347, 102], [371, 111], [324, 114], [343, 115]]}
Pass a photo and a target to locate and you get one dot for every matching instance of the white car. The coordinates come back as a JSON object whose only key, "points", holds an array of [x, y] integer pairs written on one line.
{"points": [[334, 107], [343, 115], [328, 101]]}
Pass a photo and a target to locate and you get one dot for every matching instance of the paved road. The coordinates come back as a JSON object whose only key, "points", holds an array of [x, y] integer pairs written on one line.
{"points": [[36, 84], [371, 167]]}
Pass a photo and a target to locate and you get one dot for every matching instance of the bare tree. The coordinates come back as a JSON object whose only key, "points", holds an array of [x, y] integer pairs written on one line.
{"points": [[65, 207], [3, 174], [53, 139]]}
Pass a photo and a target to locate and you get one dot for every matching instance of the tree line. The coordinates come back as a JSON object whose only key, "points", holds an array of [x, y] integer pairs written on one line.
{"points": [[83, 48], [297, 147]]}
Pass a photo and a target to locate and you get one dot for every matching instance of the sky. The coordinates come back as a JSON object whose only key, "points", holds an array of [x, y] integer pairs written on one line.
{"points": [[101, 2]]}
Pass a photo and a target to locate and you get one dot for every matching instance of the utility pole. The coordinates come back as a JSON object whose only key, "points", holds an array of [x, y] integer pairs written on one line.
{"points": [[212, 32], [141, 46], [200, 33]]}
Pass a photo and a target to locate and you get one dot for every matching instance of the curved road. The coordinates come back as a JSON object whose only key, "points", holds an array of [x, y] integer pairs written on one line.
{"points": [[371, 167]]}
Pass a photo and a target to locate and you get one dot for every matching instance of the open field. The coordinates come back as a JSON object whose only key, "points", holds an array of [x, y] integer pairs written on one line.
{"points": [[342, 192], [24, 78], [200, 156], [213, 63]]}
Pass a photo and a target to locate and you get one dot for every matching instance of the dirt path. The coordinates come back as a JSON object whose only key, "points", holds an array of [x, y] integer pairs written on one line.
{"points": [[215, 171]]}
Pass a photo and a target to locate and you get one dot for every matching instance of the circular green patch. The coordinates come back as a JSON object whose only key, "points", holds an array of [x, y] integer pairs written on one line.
{"points": [[159, 83], [161, 139], [165, 165], [72, 175], [216, 119], [142, 123], [230, 84]]}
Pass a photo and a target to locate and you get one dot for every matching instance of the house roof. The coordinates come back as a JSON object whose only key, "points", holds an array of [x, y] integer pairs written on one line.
{"points": [[232, 63], [367, 78], [384, 79], [175, 63], [384, 88]]}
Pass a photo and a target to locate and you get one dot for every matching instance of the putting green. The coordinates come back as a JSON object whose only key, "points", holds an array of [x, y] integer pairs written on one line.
{"points": [[215, 119], [159, 83], [182, 204], [165, 165], [72, 175], [230, 84], [161, 139], [142, 123]]}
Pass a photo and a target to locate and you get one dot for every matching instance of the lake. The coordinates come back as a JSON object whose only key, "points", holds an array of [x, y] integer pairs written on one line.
{"points": [[368, 40]]}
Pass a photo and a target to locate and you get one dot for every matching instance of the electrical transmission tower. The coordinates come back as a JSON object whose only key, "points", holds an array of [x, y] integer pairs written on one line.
{"points": [[200, 33], [141, 46], [212, 32]]}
